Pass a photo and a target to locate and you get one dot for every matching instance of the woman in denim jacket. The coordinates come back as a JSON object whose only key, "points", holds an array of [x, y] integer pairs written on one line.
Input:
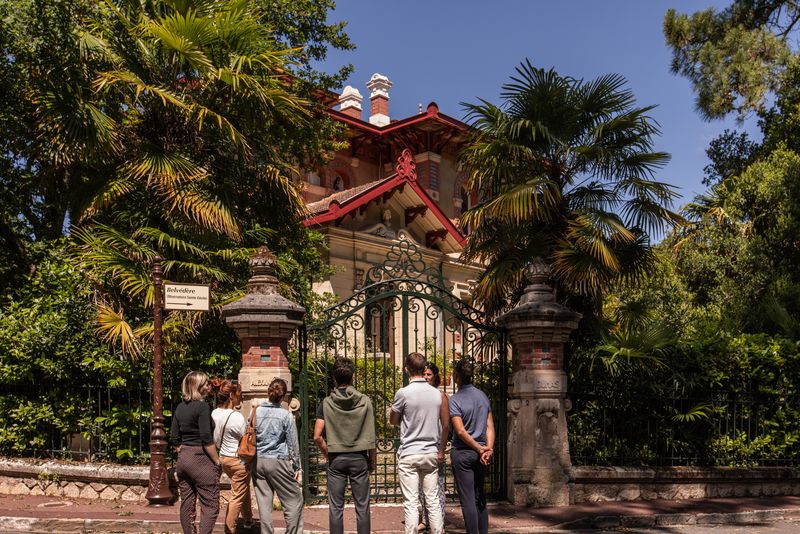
{"points": [[277, 469]]}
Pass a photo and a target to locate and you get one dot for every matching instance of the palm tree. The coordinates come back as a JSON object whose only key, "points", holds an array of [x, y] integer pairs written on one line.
{"points": [[563, 169], [195, 92]]}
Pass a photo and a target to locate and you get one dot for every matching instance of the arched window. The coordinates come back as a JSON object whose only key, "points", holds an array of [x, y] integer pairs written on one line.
{"points": [[338, 183]]}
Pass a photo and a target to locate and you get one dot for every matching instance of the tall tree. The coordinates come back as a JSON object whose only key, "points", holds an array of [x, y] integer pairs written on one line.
{"points": [[729, 154], [733, 57], [197, 97], [52, 134], [564, 169], [60, 136]]}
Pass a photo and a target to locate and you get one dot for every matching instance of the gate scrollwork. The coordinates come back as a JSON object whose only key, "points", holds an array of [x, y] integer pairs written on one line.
{"points": [[403, 306]]}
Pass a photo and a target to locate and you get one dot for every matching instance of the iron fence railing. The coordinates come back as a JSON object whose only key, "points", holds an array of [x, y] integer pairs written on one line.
{"points": [[721, 429], [103, 423]]}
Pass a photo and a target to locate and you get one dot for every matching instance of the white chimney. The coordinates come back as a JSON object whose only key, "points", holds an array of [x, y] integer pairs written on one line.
{"points": [[379, 86], [350, 102]]}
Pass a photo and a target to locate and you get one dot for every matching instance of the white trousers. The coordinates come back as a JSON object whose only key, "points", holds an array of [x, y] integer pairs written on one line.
{"points": [[411, 469]]}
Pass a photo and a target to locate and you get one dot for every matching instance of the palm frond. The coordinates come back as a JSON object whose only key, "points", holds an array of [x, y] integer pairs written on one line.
{"points": [[164, 241], [532, 200], [114, 329], [185, 34], [109, 193], [197, 204]]}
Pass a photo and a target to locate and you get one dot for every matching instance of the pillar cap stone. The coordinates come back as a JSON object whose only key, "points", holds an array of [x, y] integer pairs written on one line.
{"points": [[263, 310], [538, 303]]}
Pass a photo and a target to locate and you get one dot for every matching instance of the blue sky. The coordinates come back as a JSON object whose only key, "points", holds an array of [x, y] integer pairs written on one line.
{"points": [[450, 52]]}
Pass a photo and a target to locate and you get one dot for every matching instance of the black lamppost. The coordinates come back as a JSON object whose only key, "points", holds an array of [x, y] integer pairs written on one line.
{"points": [[158, 490]]}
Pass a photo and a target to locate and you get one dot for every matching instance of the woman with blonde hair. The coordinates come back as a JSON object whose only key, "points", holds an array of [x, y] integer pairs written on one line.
{"points": [[278, 462], [198, 466], [229, 427]]}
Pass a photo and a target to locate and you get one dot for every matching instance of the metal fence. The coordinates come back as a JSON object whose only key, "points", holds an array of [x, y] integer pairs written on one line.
{"points": [[721, 429], [102, 423]]}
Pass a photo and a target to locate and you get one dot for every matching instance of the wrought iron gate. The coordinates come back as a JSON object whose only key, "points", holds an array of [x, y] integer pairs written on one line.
{"points": [[402, 307]]}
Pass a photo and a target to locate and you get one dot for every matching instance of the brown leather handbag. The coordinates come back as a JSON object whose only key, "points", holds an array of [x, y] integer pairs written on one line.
{"points": [[247, 444]]}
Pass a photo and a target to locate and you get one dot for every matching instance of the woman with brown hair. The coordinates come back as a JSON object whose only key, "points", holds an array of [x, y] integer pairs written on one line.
{"points": [[434, 379], [278, 463], [198, 464], [229, 427]]}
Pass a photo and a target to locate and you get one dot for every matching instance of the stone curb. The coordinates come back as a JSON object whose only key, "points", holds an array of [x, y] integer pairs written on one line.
{"points": [[34, 525], [663, 520]]}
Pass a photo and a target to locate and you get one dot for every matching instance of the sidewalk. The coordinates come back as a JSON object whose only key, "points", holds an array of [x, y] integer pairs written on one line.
{"points": [[22, 513]]}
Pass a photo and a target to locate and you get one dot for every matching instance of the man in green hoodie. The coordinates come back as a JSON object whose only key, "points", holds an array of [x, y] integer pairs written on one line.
{"points": [[347, 418]]}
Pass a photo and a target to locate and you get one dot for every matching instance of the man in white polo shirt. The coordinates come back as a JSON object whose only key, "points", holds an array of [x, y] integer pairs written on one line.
{"points": [[417, 409]]}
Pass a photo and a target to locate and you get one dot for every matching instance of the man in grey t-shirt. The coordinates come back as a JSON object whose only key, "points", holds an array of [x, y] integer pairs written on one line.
{"points": [[417, 410]]}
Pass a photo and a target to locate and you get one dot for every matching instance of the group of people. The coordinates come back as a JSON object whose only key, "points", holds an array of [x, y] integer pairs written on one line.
{"points": [[345, 433], [208, 441]]}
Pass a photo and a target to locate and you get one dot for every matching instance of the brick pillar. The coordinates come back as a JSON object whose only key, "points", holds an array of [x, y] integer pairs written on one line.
{"points": [[264, 321], [538, 449]]}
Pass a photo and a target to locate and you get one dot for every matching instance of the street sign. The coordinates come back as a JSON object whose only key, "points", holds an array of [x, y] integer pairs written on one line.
{"points": [[186, 297]]}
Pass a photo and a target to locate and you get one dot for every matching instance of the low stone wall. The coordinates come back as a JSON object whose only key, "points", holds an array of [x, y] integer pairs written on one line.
{"points": [[587, 484], [84, 480], [594, 484]]}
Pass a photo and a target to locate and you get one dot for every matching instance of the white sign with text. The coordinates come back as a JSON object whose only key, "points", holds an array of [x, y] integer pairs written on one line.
{"points": [[186, 297]]}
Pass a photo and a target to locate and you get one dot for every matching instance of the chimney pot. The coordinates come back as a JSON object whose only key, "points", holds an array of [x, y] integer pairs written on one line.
{"points": [[379, 86], [350, 102]]}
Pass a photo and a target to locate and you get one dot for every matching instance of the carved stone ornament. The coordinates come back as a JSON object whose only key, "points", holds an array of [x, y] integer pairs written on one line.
{"points": [[358, 278], [263, 311], [264, 265], [264, 261], [380, 230], [538, 271], [406, 168]]}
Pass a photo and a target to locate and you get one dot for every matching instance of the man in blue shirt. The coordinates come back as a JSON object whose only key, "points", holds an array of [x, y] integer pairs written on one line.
{"points": [[473, 446]]}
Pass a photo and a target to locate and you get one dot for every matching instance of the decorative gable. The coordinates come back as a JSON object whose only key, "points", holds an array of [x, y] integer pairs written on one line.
{"points": [[388, 207]]}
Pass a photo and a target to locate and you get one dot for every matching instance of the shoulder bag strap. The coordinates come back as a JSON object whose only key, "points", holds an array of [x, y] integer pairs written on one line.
{"points": [[222, 434], [252, 420]]}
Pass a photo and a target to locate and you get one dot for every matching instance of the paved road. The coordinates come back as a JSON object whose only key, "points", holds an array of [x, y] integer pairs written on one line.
{"points": [[781, 527]]}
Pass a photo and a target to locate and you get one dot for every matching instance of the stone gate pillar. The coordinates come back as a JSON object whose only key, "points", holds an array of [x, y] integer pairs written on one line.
{"points": [[264, 321], [537, 446]]}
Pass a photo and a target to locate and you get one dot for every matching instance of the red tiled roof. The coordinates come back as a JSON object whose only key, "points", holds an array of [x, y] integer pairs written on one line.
{"points": [[341, 197]]}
